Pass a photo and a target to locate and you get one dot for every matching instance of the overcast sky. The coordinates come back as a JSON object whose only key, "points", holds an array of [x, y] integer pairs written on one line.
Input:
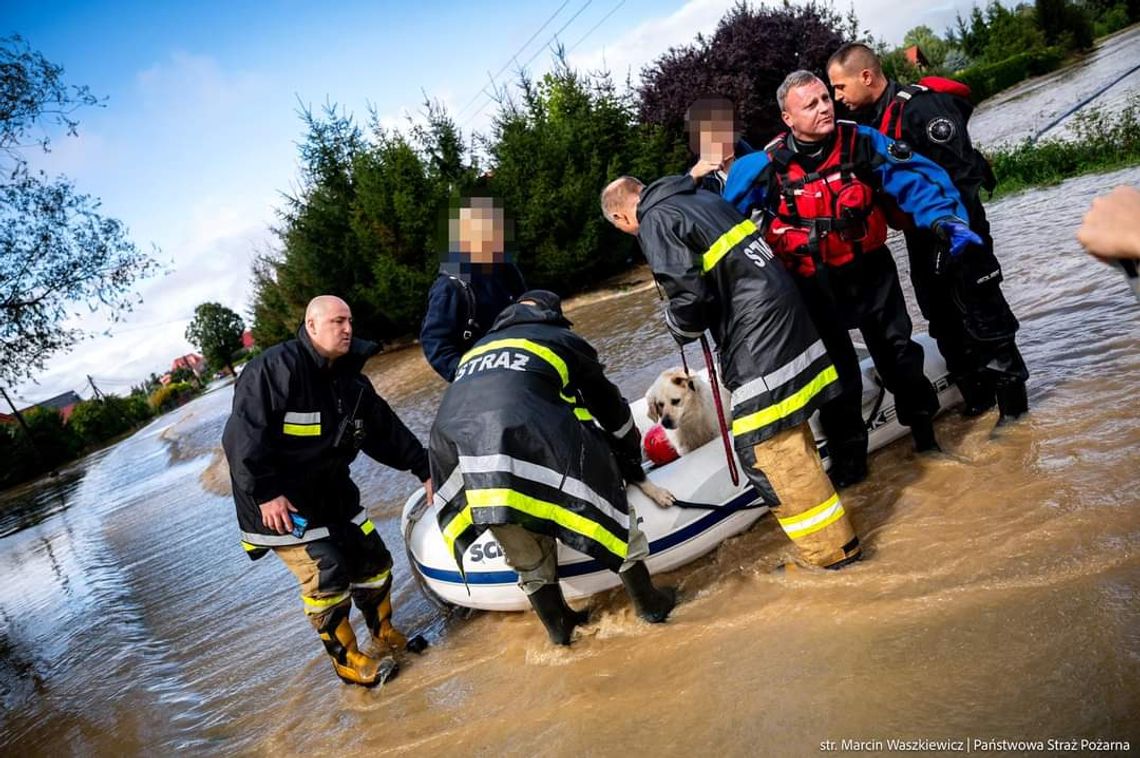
{"points": [[198, 137]]}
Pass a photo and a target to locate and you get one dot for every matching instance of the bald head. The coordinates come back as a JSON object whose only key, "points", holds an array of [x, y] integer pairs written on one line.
{"points": [[328, 322], [856, 76], [619, 200]]}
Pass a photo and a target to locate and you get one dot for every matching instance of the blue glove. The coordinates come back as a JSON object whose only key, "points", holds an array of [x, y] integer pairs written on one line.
{"points": [[958, 235]]}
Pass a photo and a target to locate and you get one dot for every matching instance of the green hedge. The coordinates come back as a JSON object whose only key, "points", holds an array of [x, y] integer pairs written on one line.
{"points": [[1099, 142], [988, 79]]}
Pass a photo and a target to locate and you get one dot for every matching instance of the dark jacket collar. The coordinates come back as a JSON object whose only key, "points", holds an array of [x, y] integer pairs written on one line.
{"points": [[350, 363]]}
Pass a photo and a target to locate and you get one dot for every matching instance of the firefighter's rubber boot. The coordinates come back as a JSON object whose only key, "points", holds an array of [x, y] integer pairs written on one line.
{"points": [[558, 617], [652, 603], [922, 430], [1012, 400], [353, 666], [379, 621], [977, 394]]}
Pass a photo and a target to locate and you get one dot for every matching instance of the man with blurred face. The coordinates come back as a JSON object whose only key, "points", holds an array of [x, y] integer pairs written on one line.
{"points": [[476, 281], [302, 411], [964, 304], [818, 188]]}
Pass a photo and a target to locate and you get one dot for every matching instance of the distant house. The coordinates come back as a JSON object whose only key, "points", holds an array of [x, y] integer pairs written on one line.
{"points": [[64, 404], [192, 361], [916, 57]]}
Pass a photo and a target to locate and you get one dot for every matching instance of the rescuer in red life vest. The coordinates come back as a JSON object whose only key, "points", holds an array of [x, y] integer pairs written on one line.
{"points": [[963, 302], [819, 187]]}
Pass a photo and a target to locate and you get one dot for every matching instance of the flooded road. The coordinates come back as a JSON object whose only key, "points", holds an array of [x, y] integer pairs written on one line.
{"points": [[998, 599], [1110, 76]]}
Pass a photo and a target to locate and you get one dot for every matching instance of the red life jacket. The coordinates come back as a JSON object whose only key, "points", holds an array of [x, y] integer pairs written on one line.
{"points": [[828, 216], [891, 125]]}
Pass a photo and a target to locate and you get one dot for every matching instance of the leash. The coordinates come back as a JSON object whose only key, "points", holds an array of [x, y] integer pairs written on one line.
{"points": [[732, 472]]}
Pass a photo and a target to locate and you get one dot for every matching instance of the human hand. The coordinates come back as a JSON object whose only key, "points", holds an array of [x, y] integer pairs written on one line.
{"points": [[275, 514], [704, 167], [958, 235], [1111, 227]]}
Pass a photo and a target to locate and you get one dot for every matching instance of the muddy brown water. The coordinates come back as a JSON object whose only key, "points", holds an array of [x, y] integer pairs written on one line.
{"points": [[998, 599]]}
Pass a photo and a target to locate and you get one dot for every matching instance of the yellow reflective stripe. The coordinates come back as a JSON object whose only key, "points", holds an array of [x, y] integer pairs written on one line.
{"points": [[541, 351], [568, 519], [785, 407], [368, 527], [303, 430], [583, 414], [318, 604], [375, 582], [727, 241], [249, 547], [813, 520]]}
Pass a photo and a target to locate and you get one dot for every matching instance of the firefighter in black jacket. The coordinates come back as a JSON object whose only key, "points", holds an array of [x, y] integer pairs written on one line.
{"points": [[820, 188], [515, 448], [719, 275], [963, 302], [476, 281], [301, 412]]}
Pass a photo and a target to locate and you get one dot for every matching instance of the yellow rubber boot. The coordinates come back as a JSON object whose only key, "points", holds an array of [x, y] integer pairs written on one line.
{"points": [[353, 666]]}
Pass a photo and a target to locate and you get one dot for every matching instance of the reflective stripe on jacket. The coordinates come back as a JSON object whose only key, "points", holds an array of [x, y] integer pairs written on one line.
{"points": [[508, 444], [720, 275]]}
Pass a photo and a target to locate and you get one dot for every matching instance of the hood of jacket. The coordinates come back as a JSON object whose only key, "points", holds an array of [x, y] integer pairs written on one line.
{"points": [[662, 189], [518, 313]]}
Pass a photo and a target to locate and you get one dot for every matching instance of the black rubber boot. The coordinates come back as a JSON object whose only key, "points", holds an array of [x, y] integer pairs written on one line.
{"points": [[922, 430], [977, 394], [652, 603], [558, 617], [847, 470], [1012, 401]]}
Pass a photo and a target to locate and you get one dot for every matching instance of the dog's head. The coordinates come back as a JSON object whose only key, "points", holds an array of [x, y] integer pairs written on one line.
{"points": [[672, 395]]}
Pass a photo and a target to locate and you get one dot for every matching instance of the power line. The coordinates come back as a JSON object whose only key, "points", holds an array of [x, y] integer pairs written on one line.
{"points": [[531, 58], [514, 57], [594, 28]]}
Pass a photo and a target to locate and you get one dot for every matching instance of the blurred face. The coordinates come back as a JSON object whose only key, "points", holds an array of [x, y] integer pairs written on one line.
{"points": [[717, 138], [330, 328], [481, 232], [853, 89], [809, 112]]}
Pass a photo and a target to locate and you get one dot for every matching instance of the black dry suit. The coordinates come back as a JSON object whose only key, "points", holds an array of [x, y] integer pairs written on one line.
{"points": [[515, 441], [297, 423], [720, 275]]}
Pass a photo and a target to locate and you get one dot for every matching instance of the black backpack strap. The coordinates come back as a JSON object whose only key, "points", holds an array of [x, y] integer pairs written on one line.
{"points": [[470, 326]]}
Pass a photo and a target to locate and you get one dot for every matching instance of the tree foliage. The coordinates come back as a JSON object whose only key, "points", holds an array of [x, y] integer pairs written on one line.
{"points": [[216, 331], [552, 150], [746, 58], [101, 419], [57, 251]]}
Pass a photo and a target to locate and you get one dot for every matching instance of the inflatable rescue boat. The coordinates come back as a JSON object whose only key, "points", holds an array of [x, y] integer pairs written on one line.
{"points": [[677, 535]]}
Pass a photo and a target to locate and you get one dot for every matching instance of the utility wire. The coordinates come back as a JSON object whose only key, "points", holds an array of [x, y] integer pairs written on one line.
{"points": [[514, 57], [594, 28], [531, 58]]}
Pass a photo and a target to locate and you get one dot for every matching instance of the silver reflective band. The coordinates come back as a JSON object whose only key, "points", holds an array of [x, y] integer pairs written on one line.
{"points": [[449, 490], [780, 376], [486, 464], [284, 540], [673, 325], [292, 417], [625, 427]]}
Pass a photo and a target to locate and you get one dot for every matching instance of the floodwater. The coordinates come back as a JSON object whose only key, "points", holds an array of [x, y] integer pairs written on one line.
{"points": [[997, 600]]}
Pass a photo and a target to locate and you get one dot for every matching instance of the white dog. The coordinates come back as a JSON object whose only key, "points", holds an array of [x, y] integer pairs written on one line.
{"points": [[683, 403]]}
